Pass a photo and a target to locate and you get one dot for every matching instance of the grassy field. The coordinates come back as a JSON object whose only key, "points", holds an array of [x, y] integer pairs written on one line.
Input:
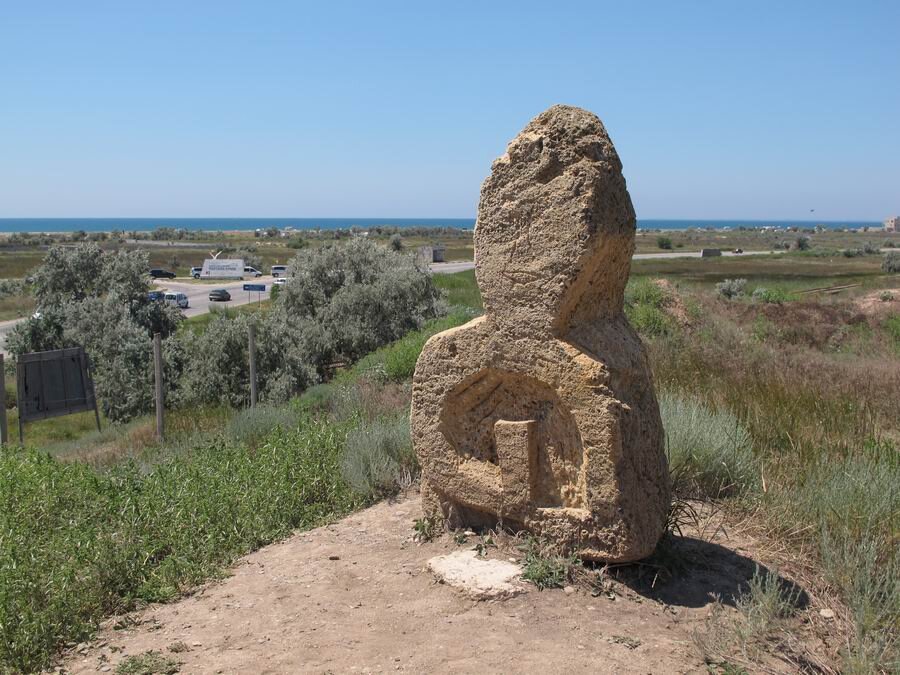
{"points": [[782, 414], [180, 256]]}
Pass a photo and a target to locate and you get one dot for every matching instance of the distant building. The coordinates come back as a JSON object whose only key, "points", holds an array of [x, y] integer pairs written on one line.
{"points": [[892, 224]]}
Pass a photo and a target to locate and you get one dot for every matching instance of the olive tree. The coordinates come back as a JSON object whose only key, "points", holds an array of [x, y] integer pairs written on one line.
{"points": [[100, 301]]}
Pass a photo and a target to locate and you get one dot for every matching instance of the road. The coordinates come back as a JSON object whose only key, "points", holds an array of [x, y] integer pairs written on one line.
{"points": [[452, 267], [198, 293]]}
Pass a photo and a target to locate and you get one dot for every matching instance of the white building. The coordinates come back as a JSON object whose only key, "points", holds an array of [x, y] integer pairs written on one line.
{"points": [[892, 224]]}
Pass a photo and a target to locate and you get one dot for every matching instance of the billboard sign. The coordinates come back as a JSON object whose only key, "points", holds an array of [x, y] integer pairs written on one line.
{"points": [[227, 268], [53, 383], [260, 288]]}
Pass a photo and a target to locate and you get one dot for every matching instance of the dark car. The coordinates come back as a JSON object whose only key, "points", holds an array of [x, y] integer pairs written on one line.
{"points": [[219, 295], [156, 296], [162, 274]]}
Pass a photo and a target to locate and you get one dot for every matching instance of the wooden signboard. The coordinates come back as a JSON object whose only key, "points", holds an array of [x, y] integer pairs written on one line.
{"points": [[54, 383]]}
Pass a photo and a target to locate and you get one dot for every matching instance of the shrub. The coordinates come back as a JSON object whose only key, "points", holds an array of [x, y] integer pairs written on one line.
{"points": [[360, 295], [801, 244], [664, 243], [886, 296], [891, 262], [396, 242], [870, 249], [771, 296], [99, 301], [378, 457], [731, 288], [710, 452], [852, 252]]}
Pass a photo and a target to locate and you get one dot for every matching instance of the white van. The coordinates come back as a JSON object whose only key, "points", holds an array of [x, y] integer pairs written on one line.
{"points": [[180, 300], [279, 271], [252, 271]]}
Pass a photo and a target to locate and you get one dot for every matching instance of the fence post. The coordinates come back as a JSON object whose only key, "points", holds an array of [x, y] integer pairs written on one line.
{"points": [[4, 430], [158, 381], [253, 390]]}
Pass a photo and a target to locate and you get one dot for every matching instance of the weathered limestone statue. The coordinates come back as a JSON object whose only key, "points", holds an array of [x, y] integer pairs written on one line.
{"points": [[541, 414]]}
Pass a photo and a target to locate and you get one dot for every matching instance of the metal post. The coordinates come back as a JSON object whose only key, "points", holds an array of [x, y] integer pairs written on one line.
{"points": [[20, 397], [158, 379], [4, 430], [253, 391]]}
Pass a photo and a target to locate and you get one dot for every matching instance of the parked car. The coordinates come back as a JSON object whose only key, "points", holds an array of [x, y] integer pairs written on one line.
{"points": [[219, 295], [180, 300], [162, 274], [252, 271], [738, 250], [156, 296], [195, 272], [279, 271], [280, 281]]}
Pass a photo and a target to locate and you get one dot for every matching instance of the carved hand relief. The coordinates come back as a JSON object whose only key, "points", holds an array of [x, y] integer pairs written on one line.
{"points": [[541, 414]]}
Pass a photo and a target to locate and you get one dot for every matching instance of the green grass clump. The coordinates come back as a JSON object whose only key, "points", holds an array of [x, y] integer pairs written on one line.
{"points": [[149, 663], [771, 296], [544, 566], [461, 288], [892, 326], [710, 452], [644, 303], [378, 457], [76, 545], [397, 361]]}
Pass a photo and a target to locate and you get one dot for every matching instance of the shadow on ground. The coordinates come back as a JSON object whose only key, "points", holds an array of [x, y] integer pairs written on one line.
{"points": [[689, 572]]}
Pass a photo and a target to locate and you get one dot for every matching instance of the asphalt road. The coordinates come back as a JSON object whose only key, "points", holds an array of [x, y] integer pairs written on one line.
{"points": [[198, 293]]}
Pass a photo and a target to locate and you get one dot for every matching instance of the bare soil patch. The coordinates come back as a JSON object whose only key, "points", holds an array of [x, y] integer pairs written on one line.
{"points": [[356, 596]]}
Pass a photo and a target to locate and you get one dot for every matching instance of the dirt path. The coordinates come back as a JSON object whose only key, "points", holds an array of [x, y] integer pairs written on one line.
{"points": [[356, 597]]}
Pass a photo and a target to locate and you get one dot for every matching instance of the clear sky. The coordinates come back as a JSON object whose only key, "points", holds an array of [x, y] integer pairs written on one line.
{"points": [[718, 109]]}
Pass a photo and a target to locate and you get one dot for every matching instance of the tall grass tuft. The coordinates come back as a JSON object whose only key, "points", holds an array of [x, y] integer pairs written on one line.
{"points": [[854, 505], [252, 425], [378, 457], [710, 452]]}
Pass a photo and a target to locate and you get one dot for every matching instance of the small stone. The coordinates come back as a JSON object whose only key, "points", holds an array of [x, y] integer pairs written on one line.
{"points": [[826, 613], [196, 644], [334, 557], [568, 590], [478, 578]]}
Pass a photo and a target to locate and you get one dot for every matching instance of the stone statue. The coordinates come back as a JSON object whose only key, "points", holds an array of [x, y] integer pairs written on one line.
{"points": [[541, 413]]}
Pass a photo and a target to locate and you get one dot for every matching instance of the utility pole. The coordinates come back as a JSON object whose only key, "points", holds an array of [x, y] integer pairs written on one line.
{"points": [[4, 430], [158, 382], [253, 391]]}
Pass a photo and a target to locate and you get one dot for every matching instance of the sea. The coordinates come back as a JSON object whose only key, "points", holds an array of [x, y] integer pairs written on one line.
{"points": [[38, 225]]}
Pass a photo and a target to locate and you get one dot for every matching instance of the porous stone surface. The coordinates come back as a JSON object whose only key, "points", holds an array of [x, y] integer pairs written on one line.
{"points": [[541, 414], [478, 578]]}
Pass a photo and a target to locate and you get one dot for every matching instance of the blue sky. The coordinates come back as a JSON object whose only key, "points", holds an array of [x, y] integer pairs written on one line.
{"points": [[718, 109]]}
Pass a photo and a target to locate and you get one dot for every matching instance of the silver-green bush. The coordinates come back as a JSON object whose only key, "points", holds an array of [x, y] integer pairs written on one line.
{"points": [[710, 452], [891, 262], [731, 288], [378, 457]]}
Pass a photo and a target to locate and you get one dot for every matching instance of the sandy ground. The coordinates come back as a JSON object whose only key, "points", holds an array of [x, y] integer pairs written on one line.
{"points": [[356, 596]]}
